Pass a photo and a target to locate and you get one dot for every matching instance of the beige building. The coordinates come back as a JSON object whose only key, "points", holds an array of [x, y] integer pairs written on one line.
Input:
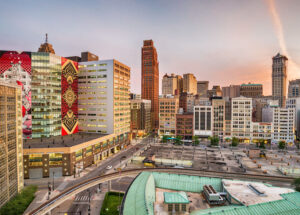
{"points": [[241, 118], [103, 91], [279, 76], [218, 106], [189, 83], [168, 108], [251, 90], [11, 145], [202, 87], [169, 84]]}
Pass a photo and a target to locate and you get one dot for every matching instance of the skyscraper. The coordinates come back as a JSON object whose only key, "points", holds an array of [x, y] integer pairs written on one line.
{"points": [[150, 79], [279, 75], [189, 83]]}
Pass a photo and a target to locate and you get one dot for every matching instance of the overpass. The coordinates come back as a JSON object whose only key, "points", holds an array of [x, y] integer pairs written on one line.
{"points": [[68, 193]]}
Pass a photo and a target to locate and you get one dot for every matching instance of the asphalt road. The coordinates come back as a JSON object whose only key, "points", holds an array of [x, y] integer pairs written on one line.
{"points": [[80, 204]]}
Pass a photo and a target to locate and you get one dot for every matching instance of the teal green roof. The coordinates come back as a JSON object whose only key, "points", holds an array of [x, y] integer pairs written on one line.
{"points": [[251, 84], [140, 197], [178, 197]]}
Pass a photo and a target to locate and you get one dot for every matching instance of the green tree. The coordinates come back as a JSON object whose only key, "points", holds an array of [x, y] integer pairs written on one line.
{"points": [[165, 138], [281, 144], [195, 140], [214, 141], [178, 140], [234, 141], [262, 144], [296, 184]]}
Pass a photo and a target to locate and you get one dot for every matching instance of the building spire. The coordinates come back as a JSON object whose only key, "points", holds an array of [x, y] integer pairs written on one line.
{"points": [[46, 41]]}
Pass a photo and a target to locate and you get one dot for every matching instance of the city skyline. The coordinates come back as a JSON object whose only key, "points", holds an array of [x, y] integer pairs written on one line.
{"points": [[208, 39]]}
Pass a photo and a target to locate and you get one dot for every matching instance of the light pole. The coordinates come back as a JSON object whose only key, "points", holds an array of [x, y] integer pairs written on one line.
{"points": [[89, 209], [53, 181]]}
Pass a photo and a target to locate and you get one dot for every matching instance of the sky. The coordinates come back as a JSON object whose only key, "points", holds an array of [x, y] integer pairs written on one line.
{"points": [[222, 41]]}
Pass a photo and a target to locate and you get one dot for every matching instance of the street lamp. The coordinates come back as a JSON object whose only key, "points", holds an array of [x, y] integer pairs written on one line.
{"points": [[53, 181]]}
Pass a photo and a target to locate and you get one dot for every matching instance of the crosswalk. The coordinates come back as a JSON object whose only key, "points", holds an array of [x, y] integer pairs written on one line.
{"points": [[82, 199]]}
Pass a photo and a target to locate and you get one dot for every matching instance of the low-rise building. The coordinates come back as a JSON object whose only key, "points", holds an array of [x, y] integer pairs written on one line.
{"points": [[261, 130]]}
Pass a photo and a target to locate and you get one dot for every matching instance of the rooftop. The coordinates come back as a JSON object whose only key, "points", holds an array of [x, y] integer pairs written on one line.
{"points": [[176, 197], [60, 141]]}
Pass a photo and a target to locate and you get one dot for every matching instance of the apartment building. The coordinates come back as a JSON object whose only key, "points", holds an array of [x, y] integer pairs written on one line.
{"points": [[104, 105], [262, 130], [184, 125], [202, 87], [241, 118], [168, 108], [11, 145], [170, 84]]}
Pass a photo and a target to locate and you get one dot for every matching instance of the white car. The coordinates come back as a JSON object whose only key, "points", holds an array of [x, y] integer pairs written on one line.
{"points": [[108, 167]]}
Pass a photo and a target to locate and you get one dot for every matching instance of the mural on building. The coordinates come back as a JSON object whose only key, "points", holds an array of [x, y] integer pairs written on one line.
{"points": [[69, 96], [15, 67]]}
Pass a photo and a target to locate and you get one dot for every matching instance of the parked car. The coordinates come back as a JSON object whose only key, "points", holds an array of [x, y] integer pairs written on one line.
{"points": [[108, 167]]}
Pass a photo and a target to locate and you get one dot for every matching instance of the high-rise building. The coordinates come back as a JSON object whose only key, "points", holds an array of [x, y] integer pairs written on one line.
{"points": [[251, 90], [231, 91], [202, 87], [189, 83], [150, 79], [49, 91], [85, 56], [11, 145], [46, 47], [104, 105], [241, 118], [179, 85], [295, 104], [279, 77], [203, 121], [294, 88], [169, 84], [168, 108], [140, 116], [218, 106]]}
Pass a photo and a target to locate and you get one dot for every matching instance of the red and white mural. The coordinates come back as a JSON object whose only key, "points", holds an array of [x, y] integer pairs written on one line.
{"points": [[69, 96], [15, 67]]}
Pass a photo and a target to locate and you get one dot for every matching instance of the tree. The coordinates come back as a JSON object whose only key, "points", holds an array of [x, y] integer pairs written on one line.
{"points": [[296, 184], [262, 144], [195, 140], [281, 144], [165, 138], [234, 141], [214, 141], [178, 140]]}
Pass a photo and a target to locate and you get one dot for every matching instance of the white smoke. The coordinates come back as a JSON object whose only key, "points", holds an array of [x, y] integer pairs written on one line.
{"points": [[293, 68]]}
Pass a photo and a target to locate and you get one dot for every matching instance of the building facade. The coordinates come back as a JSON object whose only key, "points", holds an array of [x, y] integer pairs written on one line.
{"points": [[140, 116], [294, 103], [218, 107], [69, 155], [189, 83], [215, 91], [169, 84], [11, 145], [104, 105], [241, 118], [184, 125], [49, 91], [251, 90], [202, 87], [168, 108], [279, 78], [150, 79], [203, 121], [294, 88], [231, 91], [283, 124]]}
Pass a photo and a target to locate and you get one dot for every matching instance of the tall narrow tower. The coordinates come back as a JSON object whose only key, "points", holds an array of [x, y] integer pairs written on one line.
{"points": [[279, 76], [150, 79]]}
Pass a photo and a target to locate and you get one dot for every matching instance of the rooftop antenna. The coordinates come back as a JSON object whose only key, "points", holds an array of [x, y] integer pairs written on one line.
{"points": [[46, 38]]}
